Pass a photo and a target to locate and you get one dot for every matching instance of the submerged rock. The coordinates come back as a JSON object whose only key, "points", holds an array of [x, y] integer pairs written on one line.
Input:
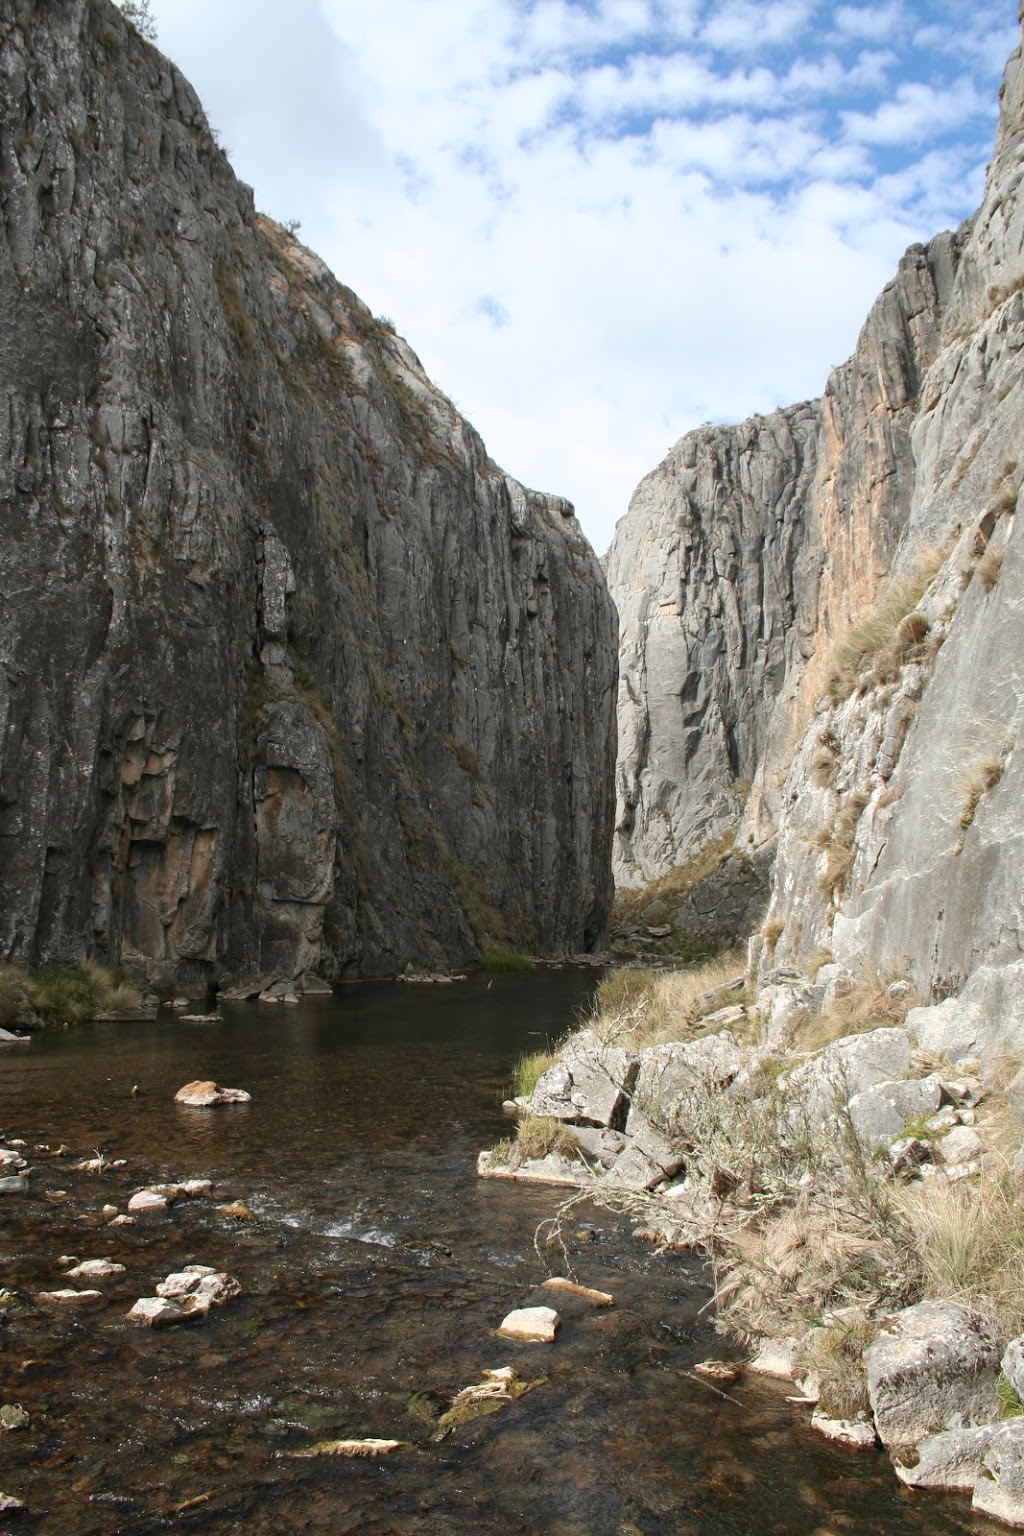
{"points": [[859, 1433], [951, 1459]]}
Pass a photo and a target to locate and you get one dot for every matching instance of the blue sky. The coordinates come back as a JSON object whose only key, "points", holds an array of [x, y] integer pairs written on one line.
{"points": [[602, 222]]}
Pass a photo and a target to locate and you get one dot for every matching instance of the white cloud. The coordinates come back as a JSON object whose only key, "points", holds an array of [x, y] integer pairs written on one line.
{"points": [[600, 222]]}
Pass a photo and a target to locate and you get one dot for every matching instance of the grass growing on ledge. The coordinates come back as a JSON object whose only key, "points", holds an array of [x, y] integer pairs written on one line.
{"points": [[66, 996], [536, 1137], [637, 1008], [674, 883], [528, 1071], [505, 960]]}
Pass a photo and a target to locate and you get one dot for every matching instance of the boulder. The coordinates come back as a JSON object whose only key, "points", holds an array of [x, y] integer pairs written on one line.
{"points": [[845, 1068], [1013, 1365], [534, 1325], [202, 1093], [198, 1287], [999, 1490], [590, 1083], [157, 1312], [147, 1201], [960, 1145], [597, 1145], [879, 1114], [777, 1357], [670, 1075], [949, 1028], [95, 1269], [951, 1459], [933, 1367]]}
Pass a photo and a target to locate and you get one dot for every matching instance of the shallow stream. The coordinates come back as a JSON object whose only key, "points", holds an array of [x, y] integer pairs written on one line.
{"points": [[375, 1273]]}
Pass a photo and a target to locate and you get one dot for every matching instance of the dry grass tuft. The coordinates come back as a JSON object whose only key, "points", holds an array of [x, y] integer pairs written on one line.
{"points": [[639, 1008], [806, 1259], [536, 1137], [983, 776], [970, 1243], [892, 634], [674, 883], [990, 564], [838, 841], [870, 1005], [836, 1357]]}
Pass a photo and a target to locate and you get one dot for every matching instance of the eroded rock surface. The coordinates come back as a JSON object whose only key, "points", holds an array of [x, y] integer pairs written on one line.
{"points": [[294, 677]]}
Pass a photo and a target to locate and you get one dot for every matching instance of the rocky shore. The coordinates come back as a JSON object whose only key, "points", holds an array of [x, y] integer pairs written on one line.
{"points": [[851, 1167]]}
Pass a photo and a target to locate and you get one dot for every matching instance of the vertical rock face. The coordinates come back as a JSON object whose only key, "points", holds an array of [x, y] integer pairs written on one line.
{"points": [[885, 569], [741, 551], [291, 674]]}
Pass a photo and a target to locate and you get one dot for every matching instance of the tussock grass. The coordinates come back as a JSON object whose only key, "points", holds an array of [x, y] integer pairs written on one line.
{"points": [[836, 1357], [870, 1005], [528, 1071], [874, 650], [990, 564], [66, 996], [838, 841], [983, 775], [969, 1239], [536, 1137], [806, 1259], [638, 1008]]}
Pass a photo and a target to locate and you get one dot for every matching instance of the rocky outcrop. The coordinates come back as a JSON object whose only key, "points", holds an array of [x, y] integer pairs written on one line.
{"points": [[292, 675], [825, 604], [739, 556]]}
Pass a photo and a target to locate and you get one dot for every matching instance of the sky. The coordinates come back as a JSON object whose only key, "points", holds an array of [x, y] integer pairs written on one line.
{"points": [[600, 223]]}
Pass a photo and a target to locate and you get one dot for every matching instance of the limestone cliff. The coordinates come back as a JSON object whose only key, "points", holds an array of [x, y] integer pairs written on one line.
{"points": [[291, 674], [834, 594]]}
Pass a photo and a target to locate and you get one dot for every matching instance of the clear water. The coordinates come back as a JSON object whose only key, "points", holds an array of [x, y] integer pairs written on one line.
{"points": [[379, 1268]]}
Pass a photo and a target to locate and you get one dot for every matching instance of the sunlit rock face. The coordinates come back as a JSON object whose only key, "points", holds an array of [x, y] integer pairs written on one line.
{"points": [[826, 604], [292, 676]]}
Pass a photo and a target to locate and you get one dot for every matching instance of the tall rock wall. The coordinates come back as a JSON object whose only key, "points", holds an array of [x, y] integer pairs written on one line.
{"points": [[292, 675], [884, 757]]}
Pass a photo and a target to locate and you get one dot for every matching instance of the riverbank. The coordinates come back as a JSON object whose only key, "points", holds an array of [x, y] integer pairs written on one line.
{"points": [[850, 1168]]}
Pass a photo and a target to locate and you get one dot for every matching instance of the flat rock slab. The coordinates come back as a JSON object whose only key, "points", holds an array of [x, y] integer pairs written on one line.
{"points": [[203, 1093], [933, 1367], [70, 1298], [95, 1269], [157, 1312], [533, 1325]]}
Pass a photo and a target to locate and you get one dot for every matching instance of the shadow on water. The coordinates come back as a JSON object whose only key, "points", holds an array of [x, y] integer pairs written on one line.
{"points": [[376, 1271]]}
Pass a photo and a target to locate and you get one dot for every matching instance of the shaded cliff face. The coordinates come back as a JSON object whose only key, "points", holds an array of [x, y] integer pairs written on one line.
{"points": [[885, 568], [292, 676]]}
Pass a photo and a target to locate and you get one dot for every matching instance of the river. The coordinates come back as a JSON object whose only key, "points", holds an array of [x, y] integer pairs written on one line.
{"points": [[375, 1274]]}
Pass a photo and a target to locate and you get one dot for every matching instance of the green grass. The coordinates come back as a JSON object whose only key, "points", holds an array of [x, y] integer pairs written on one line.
{"points": [[505, 960], [528, 1071]]}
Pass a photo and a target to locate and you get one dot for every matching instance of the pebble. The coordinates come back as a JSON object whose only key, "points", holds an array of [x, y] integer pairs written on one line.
{"points": [[13, 1416], [8, 1504]]}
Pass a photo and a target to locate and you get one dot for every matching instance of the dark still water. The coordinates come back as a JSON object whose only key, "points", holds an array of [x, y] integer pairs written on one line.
{"points": [[376, 1272]]}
